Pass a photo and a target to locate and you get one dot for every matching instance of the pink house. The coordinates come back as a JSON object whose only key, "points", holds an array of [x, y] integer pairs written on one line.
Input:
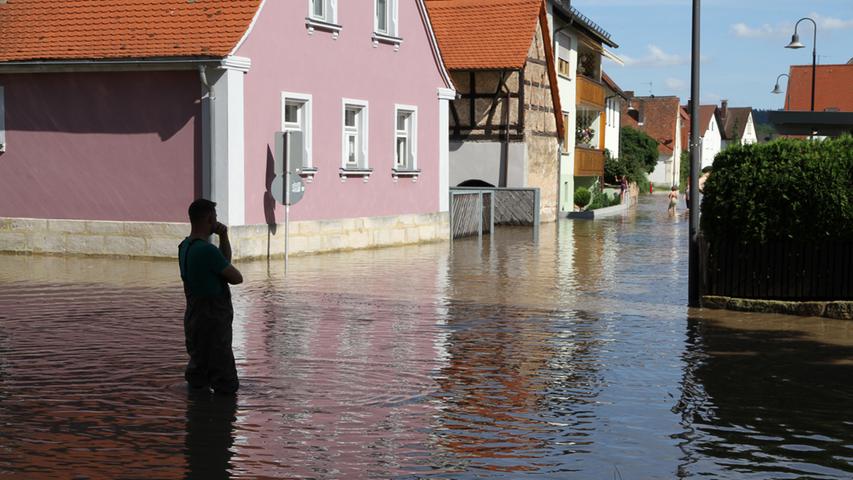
{"points": [[114, 115]]}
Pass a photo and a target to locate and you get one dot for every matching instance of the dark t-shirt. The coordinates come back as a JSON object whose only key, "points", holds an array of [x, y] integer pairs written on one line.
{"points": [[201, 267]]}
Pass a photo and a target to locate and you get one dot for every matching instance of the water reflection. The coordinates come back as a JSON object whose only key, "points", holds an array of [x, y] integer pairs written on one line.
{"points": [[770, 394], [570, 355], [209, 434]]}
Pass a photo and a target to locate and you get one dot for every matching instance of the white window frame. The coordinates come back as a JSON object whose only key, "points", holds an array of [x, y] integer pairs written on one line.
{"points": [[361, 168], [305, 125], [391, 33], [328, 21], [2, 121], [411, 134]]}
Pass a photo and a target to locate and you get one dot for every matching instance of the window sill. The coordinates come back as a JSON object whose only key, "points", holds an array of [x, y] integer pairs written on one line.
{"points": [[397, 173], [389, 39], [364, 173], [308, 173], [312, 24]]}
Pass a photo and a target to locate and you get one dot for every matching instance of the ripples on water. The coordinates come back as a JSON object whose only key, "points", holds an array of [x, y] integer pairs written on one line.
{"points": [[567, 357]]}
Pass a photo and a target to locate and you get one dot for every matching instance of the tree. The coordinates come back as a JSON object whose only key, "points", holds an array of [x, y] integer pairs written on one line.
{"points": [[639, 148]]}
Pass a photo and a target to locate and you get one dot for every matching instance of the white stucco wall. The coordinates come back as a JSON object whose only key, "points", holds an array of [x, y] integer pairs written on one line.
{"points": [[566, 42], [749, 134], [711, 142], [482, 161], [611, 129]]}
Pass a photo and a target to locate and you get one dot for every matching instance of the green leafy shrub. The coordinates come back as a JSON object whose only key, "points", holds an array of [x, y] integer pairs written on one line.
{"points": [[603, 200], [638, 148], [582, 196], [783, 190]]}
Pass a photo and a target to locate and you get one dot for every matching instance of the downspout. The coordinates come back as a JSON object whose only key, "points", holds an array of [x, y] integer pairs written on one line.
{"points": [[207, 98]]}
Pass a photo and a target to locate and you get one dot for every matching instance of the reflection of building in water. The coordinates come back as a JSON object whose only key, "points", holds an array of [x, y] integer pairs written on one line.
{"points": [[511, 354], [770, 396], [335, 381]]}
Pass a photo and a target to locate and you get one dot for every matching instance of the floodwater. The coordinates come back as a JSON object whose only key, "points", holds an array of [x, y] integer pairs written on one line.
{"points": [[567, 356]]}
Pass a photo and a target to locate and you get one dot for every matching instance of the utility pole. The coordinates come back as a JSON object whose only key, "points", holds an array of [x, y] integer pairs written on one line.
{"points": [[694, 275]]}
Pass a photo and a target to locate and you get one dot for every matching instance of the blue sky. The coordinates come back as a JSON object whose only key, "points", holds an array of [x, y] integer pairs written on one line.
{"points": [[742, 44]]}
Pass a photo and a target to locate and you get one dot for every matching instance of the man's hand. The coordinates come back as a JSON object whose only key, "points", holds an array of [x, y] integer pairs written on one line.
{"points": [[220, 229]]}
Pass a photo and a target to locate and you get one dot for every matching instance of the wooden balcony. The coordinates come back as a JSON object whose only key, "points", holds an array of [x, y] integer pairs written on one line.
{"points": [[590, 93], [589, 162]]}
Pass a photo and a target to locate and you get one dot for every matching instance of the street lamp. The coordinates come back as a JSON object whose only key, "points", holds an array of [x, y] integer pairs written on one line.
{"points": [[776, 88], [795, 44]]}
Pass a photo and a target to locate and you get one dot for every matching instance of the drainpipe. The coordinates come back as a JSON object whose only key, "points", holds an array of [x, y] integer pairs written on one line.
{"points": [[206, 134]]}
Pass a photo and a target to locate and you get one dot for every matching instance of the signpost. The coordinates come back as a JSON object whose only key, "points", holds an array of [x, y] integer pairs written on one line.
{"points": [[287, 187]]}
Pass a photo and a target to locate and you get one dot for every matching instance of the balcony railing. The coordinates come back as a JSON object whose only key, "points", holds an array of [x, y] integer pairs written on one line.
{"points": [[590, 93], [589, 162]]}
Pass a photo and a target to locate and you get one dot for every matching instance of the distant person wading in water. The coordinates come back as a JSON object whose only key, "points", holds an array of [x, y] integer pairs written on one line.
{"points": [[206, 272], [673, 199]]}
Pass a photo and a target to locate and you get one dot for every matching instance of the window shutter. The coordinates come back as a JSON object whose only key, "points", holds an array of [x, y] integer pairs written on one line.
{"points": [[362, 130], [333, 10], [393, 19], [413, 140]]}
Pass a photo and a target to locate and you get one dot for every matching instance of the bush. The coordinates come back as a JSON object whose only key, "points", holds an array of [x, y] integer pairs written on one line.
{"points": [[582, 196], [783, 190], [638, 148], [603, 200]]}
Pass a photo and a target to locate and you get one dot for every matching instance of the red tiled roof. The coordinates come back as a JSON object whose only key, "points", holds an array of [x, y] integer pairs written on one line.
{"points": [[611, 84], [108, 29], [659, 116], [484, 34], [833, 88]]}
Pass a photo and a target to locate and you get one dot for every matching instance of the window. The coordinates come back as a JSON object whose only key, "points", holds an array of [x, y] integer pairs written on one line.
{"points": [[566, 136], [296, 117], [2, 122], [385, 22], [323, 15], [563, 67], [405, 138], [354, 141], [323, 10]]}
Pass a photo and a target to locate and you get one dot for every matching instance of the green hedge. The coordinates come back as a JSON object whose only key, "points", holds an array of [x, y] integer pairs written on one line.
{"points": [[787, 189]]}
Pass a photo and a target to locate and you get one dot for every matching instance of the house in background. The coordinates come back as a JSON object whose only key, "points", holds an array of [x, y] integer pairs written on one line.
{"points": [[580, 45], [663, 119], [833, 104], [505, 125], [738, 125], [710, 133], [614, 101], [119, 113]]}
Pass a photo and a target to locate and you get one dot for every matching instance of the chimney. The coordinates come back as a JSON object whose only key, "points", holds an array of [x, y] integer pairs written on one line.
{"points": [[629, 93], [724, 110]]}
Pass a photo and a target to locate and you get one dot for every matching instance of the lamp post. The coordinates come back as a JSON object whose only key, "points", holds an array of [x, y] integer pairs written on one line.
{"points": [[693, 273], [776, 90], [795, 44]]}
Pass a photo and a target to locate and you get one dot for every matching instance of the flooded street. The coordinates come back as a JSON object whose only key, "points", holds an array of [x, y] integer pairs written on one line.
{"points": [[572, 355]]}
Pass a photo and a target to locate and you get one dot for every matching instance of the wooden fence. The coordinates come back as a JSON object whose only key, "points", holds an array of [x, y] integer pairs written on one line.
{"points": [[476, 210], [779, 270]]}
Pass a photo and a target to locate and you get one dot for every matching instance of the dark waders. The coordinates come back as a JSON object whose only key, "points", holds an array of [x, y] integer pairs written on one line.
{"points": [[207, 332]]}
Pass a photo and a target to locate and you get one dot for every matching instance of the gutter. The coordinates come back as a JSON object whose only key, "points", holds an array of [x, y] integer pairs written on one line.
{"points": [[149, 64]]}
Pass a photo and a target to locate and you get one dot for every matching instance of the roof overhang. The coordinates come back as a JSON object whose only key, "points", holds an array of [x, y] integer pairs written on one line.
{"points": [[573, 17], [125, 64], [830, 124]]}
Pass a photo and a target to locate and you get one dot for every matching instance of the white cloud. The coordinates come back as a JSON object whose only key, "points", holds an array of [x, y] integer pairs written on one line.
{"points": [[785, 29], [830, 23], [745, 31], [656, 58], [675, 85]]}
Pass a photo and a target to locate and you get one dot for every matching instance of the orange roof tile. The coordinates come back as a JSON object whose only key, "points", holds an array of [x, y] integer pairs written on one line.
{"points": [[108, 29], [833, 88], [484, 34]]}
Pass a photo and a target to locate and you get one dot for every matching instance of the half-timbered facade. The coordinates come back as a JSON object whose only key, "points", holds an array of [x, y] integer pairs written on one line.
{"points": [[505, 126]]}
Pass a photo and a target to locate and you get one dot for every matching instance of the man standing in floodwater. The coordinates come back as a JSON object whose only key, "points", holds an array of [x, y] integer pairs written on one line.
{"points": [[206, 272]]}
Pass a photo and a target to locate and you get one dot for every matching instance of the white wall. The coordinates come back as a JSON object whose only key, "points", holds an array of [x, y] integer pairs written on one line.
{"points": [[567, 49], [482, 161], [749, 134], [611, 129], [712, 142]]}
